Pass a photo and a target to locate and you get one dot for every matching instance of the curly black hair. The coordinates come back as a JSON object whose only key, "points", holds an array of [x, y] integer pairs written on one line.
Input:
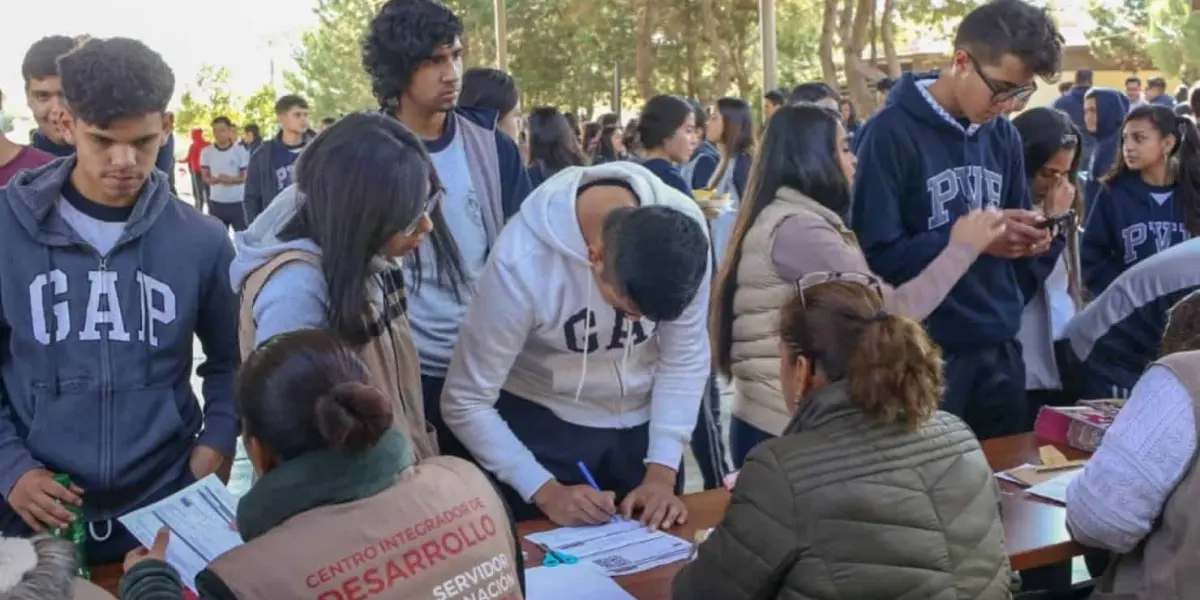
{"points": [[109, 79], [402, 36], [1013, 27], [41, 61]]}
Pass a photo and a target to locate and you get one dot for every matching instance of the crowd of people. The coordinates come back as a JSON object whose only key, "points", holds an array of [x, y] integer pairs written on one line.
{"points": [[443, 317]]}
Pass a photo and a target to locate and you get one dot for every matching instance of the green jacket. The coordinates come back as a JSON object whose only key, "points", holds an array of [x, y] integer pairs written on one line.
{"points": [[843, 507]]}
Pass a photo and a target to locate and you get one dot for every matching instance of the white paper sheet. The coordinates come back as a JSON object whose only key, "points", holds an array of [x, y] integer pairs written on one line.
{"points": [[1055, 489], [582, 581], [202, 522], [620, 548], [1009, 478]]}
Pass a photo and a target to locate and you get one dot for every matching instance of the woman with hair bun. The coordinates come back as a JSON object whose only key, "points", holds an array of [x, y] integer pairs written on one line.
{"points": [[340, 508], [852, 500]]}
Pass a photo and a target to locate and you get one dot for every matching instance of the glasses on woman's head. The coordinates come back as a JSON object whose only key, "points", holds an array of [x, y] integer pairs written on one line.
{"points": [[820, 277], [1003, 91]]}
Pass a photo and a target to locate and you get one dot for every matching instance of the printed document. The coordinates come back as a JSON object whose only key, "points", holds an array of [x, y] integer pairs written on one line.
{"points": [[621, 547]]}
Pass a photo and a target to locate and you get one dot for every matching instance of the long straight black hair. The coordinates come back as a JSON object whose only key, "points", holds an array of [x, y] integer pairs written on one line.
{"points": [[553, 146], [799, 150], [362, 181], [737, 134], [1186, 154]]}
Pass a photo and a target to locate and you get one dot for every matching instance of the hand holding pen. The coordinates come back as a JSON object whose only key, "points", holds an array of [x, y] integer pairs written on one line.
{"points": [[572, 505]]}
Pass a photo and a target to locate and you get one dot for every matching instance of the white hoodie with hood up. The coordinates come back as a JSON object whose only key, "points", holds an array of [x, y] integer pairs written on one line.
{"points": [[528, 332]]}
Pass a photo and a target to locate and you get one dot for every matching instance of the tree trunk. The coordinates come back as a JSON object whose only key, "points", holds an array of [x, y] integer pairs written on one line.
{"points": [[887, 31], [644, 64], [852, 47], [712, 35], [825, 47], [690, 53]]}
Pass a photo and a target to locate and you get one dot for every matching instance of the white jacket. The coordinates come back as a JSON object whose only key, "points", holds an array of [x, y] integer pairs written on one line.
{"points": [[527, 332]]}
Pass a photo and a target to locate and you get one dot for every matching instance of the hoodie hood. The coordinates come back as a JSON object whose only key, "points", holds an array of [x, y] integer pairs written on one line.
{"points": [[34, 194], [549, 212], [198, 136], [910, 95], [43, 142], [260, 242], [1111, 108]]}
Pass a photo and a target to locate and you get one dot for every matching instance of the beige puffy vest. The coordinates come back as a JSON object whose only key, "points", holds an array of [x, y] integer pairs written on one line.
{"points": [[1166, 564], [441, 531], [758, 397], [391, 356]]}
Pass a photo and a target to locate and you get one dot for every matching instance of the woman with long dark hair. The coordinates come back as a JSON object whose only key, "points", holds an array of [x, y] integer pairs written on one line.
{"points": [[666, 129], [336, 478], [496, 90], [849, 118], [731, 128], [552, 145], [1053, 151], [1150, 201], [789, 225], [327, 253], [610, 145]]}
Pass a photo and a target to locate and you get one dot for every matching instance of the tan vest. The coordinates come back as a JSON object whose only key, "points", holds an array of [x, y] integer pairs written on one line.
{"points": [[391, 355], [441, 532], [758, 397], [1166, 564]]}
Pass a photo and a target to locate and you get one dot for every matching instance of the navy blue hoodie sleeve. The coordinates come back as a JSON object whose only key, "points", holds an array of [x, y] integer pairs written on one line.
{"points": [[1098, 255], [706, 165], [513, 178], [217, 329], [1031, 271], [253, 196], [741, 173], [893, 252]]}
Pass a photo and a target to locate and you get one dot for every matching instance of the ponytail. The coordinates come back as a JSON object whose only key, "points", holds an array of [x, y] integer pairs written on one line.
{"points": [[1187, 173], [895, 371]]}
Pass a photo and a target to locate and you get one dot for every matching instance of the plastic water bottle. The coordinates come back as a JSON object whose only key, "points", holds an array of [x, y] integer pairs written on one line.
{"points": [[76, 532]]}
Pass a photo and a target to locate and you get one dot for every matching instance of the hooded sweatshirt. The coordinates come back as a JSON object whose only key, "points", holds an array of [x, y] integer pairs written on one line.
{"points": [[97, 357], [542, 331], [919, 169], [1129, 221], [1071, 103], [699, 169], [1111, 108]]}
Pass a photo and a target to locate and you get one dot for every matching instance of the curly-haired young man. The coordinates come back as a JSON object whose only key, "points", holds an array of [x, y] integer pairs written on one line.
{"points": [[107, 278], [413, 55], [44, 93], [938, 151]]}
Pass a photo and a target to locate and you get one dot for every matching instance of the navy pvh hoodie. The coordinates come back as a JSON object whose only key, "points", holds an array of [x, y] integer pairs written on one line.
{"points": [[96, 352], [1130, 221], [1111, 108], [919, 169]]}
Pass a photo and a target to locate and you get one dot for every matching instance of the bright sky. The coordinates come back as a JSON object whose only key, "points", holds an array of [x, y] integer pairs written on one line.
{"points": [[241, 35]]}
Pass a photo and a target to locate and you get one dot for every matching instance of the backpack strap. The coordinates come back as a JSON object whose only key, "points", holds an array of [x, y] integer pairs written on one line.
{"points": [[247, 328]]}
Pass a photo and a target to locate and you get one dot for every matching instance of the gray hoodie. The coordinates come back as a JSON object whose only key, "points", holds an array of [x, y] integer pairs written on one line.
{"points": [[96, 354]]}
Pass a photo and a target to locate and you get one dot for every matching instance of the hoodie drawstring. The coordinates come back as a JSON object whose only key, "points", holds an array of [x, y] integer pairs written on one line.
{"points": [[587, 319], [97, 537]]}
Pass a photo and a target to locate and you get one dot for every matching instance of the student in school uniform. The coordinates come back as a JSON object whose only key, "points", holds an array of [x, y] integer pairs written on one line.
{"points": [[940, 149], [699, 169], [1150, 201], [1104, 111], [587, 346], [341, 507], [667, 131], [731, 128]]}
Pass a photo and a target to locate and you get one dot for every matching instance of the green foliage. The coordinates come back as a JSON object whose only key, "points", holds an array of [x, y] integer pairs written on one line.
{"points": [[329, 60], [1174, 38], [1119, 34], [212, 98]]}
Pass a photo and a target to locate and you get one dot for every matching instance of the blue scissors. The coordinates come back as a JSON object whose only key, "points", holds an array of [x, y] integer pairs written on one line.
{"points": [[554, 558]]}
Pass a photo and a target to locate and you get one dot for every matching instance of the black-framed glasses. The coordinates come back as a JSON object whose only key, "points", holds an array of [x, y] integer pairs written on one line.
{"points": [[819, 277], [436, 191], [1002, 91]]}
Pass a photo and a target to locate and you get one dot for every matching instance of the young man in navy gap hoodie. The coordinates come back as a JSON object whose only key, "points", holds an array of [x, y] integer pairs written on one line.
{"points": [[937, 151], [413, 55], [105, 278]]}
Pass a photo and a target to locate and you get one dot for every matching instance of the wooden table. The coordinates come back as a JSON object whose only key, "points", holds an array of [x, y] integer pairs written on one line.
{"points": [[1035, 530]]}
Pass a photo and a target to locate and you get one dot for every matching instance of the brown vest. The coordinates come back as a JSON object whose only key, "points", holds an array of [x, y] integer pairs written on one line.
{"points": [[390, 356], [441, 532], [1166, 564]]}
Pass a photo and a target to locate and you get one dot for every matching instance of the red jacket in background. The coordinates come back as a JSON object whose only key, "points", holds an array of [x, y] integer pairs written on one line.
{"points": [[198, 145]]}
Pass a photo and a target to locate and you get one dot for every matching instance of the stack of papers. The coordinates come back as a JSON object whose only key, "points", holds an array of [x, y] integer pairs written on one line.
{"points": [[1055, 489], [621, 547], [202, 520], [580, 581]]}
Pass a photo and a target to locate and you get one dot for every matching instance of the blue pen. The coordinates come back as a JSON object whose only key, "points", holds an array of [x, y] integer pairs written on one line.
{"points": [[587, 474]]}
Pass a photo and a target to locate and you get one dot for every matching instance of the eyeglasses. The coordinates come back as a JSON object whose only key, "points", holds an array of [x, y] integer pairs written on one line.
{"points": [[819, 277], [1002, 91], [436, 191]]}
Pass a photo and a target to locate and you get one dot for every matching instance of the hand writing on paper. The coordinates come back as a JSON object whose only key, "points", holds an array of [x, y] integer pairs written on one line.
{"points": [[655, 498], [156, 552], [572, 505]]}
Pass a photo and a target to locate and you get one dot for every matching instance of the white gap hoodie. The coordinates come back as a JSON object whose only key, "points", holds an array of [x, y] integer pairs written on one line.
{"points": [[538, 328]]}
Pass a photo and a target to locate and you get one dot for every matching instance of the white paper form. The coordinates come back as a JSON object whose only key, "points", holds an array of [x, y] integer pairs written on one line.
{"points": [[201, 518], [582, 581], [620, 548], [1055, 489]]}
